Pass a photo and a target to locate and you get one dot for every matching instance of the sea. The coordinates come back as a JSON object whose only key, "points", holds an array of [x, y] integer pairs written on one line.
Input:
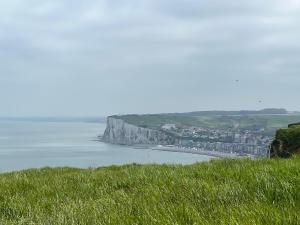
{"points": [[38, 144]]}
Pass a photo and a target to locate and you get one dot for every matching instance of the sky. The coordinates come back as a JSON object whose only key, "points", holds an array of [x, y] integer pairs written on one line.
{"points": [[103, 57]]}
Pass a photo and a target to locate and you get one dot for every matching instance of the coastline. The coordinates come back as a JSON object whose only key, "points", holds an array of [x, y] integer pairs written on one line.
{"points": [[198, 152], [189, 151]]}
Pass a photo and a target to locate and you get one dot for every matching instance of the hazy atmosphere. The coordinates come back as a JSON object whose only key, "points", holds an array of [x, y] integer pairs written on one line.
{"points": [[150, 112], [97, 58]]}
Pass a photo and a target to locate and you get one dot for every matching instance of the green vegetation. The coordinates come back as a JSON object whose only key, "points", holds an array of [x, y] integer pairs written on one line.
{"points": [[218, 192], [287, 142], [155, 121], [280, 121]]}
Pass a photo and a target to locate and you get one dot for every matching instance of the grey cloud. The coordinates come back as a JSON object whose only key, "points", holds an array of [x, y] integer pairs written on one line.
{"points": [[99, 57]]}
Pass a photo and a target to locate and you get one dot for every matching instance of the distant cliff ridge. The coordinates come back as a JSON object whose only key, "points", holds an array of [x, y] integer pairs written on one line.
{"points": [[119, 132], [178, 128]]}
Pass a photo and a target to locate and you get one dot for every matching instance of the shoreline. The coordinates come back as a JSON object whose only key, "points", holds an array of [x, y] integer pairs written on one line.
{"points": [[198, 152], [188, 151]]}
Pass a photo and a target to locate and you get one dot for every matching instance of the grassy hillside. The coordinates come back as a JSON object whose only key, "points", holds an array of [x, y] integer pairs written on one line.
{"points": [[155, 121], [218, 192]]}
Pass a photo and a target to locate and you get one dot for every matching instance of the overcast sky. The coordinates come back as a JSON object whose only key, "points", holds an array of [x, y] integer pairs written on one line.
{"points": [[102, 57]]}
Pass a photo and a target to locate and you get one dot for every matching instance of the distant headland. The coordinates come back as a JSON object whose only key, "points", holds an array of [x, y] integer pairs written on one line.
{"points": [[245, 132]]}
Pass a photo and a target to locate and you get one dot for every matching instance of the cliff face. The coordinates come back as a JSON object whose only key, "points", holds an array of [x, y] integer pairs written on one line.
{"points": [[119, 132], [287, 142]]}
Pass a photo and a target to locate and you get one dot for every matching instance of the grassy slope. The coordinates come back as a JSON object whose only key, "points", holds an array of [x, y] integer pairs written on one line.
{"points": [[218, 192], [155, 121]]}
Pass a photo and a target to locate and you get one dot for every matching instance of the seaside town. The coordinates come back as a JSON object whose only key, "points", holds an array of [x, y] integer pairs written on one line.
{"points": [[254, 142]]}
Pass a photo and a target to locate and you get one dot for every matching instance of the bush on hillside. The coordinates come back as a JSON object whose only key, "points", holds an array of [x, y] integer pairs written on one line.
{"points": [[287, 142]]}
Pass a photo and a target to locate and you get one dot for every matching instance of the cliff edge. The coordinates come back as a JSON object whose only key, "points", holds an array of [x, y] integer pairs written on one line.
{"points": [[287, 142]]}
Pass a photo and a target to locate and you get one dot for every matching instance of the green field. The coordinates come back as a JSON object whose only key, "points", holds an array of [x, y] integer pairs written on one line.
{"points": [[155, 121], [218, 192]]}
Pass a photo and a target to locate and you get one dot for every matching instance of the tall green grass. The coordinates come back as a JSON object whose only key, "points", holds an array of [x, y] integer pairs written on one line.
{"points": [[218, 192]]}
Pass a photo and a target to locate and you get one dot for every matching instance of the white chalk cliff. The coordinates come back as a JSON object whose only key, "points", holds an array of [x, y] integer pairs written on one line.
{"points": [[119, 132]]}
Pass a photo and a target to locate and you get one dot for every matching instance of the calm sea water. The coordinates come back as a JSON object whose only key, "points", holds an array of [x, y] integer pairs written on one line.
{"points": [[26, 145]]}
